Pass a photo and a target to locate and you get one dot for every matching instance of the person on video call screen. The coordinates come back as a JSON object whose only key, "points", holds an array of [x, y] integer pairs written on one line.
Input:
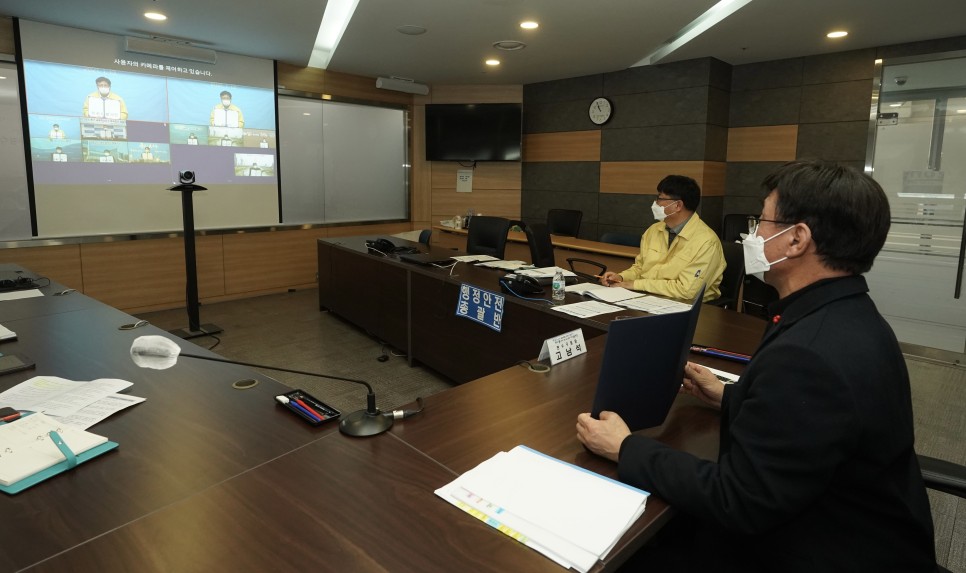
{"points": [[226, 114], [104, 103]]}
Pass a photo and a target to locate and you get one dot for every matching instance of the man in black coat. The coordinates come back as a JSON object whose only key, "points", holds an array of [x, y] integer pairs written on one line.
{"points": [[816, 470]]}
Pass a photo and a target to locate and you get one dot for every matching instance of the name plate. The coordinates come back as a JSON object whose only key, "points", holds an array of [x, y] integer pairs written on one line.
{"points": [[481, 305], [563, 347]]}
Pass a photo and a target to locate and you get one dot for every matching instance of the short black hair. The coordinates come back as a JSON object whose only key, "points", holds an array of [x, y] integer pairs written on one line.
{"points": [[683, 188], [225, 93], [102, 79], [846, 211]]}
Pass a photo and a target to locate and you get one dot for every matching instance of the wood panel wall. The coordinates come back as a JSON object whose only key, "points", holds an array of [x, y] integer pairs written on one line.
{"points": [[766, 143], [642, 177], [562, 146]]}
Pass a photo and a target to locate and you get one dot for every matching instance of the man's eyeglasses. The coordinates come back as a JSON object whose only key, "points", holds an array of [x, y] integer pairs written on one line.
{"points": [[754, 222], [668, 199]]}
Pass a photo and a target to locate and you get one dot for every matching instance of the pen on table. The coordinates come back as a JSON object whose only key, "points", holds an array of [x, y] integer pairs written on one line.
{"points": [[10, 417], [295, 406], [309, 408], [721, 353]]}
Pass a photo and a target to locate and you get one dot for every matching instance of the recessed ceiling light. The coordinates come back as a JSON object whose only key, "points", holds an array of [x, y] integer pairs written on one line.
{"points": [[155, 16], [961, 111], [837, 34], [895, 104], [529, 25], [3, 77], [509, 45], [306, 113], [492, 62], [410, 30]]}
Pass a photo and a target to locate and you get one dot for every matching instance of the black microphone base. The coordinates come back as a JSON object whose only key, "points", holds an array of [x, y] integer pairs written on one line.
{"points": [[361, 424], [203, 330]]}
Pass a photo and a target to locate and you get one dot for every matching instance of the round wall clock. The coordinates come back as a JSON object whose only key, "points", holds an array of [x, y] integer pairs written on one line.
{"points": [[600, 110]]}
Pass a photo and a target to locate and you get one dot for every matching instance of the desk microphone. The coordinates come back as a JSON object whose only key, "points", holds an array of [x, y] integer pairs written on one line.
{"points": [[160, 353]]}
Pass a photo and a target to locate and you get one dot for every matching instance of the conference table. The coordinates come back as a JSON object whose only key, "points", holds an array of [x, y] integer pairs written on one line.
{"points": [[210, 478]]}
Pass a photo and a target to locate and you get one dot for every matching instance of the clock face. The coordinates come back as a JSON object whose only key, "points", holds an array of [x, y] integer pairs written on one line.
{"points": [[600, 110]]}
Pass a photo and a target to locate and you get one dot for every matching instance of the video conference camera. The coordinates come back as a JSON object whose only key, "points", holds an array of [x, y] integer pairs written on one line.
{"points": [[186, 177]]}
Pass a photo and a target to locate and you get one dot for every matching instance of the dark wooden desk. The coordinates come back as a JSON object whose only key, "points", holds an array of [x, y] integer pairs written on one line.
{"points": [[413, 308], [212, 478]]}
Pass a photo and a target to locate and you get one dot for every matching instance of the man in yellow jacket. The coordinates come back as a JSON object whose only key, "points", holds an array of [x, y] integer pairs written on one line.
{"points": [[679, 252]]}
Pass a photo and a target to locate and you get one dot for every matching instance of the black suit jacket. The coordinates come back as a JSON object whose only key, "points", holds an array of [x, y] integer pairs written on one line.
{"points": [[816, 470]]}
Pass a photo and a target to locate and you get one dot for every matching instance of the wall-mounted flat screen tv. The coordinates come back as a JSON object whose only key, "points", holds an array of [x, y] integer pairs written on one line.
{"points": [[473, 132]]}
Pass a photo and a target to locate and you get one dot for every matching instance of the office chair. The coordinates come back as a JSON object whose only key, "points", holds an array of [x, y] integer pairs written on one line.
{"points": [[756, 296], [617, 238], [425, 235], [943, 476], [541, 248], [565, 222], [732, 225], [734, 276], [593, 276], [487, 236]]}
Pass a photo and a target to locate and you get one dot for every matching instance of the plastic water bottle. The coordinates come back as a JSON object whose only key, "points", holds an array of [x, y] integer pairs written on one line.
{"points": [[558, 286]]}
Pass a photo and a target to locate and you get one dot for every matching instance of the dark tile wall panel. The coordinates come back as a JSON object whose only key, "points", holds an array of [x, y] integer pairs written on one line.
{"points": [[571, 176], [744, 179], [843, 141], [716, 143], [661, 143], [844, 101], [643, 79], [839, 67], [936, 46], [767, 75], [719, 106], [557, 116], [581, 88], [774, 106], [626, 211], [670, 107]]}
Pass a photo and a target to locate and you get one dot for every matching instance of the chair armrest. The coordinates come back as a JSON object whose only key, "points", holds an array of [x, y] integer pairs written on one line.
{"points": [[943, 476], [586, 276]]}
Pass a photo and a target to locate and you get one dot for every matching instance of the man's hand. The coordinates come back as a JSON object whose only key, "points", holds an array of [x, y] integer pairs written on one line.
{"points": [[603, 437], [611, 278], [700, 382]]}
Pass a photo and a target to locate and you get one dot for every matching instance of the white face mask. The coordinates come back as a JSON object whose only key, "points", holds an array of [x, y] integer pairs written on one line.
{"points": [[226, 102], [658, 212], [103, 91], [754, 249]]}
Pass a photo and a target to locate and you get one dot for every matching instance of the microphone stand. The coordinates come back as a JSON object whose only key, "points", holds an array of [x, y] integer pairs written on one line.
{"points": [[361, 423], [195, 329]]}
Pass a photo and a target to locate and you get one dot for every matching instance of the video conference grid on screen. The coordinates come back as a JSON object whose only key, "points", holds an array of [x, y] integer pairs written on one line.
{"points": [[100, 126]]}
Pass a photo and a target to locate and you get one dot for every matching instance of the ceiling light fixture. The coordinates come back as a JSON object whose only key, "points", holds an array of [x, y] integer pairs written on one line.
{"points": [[961, 111], [509, 45], [410, 30], [334, 22], [155, 16], [529, 25], [895, 104], [493, 62], [721, 10], [837, 34]]}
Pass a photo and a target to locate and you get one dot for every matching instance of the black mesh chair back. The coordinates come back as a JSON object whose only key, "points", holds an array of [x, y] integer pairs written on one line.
{"points": [[425, 235], [487, 236], [541, 247], [565, 222], [734, 276]]}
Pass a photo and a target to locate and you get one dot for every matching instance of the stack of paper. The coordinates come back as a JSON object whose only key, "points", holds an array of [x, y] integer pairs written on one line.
{"points": [[474, 258], [504, 265], [604, 293], [77, 404], [545, 273], [586, 309], [571, 515], [6, 333], [656, 305]]}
